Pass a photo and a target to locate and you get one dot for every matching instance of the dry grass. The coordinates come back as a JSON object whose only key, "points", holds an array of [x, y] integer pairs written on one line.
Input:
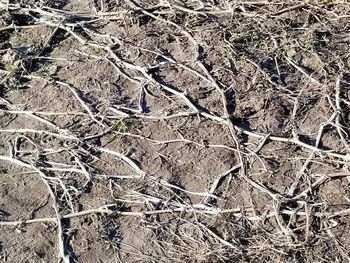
{"points": [[255, 203]]}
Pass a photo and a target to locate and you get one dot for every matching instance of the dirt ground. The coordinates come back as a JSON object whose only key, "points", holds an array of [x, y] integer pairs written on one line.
{"points": [[174, 131]]}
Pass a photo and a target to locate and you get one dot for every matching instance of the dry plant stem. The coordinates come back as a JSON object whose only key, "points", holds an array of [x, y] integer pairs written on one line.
{"points": [[73, 90], [191, 105], [276, 197], [338, 244], [166, 184], [36, 117], [220, 239], [61, 243], [66, 28], [308, 212], [286, 231], [54, 12], [181, 95], [216, 182], [58, 219], [82, 167], [339, 111], [313, 80], [182, 140], [173, 61], [311, 156], [46, 113], [224, 102], [68, 135], [154, 117], [145, 207], [43, 132], [299, 143], [266, 76], [127, 160], [149, 78], [109, 210], [318, 182], [262, 143], [265, 137], [288, 9], [229, 124], [246, 132], [14, 26], [238, 212], [227, 117], [220, 120], [213, 11]]}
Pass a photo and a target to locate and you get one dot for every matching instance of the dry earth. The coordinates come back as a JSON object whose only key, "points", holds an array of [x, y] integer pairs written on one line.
{"points": [[174, 131]]}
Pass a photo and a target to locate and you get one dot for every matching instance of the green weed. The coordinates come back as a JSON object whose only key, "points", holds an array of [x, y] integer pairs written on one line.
{"points": [[120, 126]]}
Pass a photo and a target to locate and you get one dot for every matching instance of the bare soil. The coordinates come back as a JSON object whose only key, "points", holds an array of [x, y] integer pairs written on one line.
{"points": [[174, 131]]}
